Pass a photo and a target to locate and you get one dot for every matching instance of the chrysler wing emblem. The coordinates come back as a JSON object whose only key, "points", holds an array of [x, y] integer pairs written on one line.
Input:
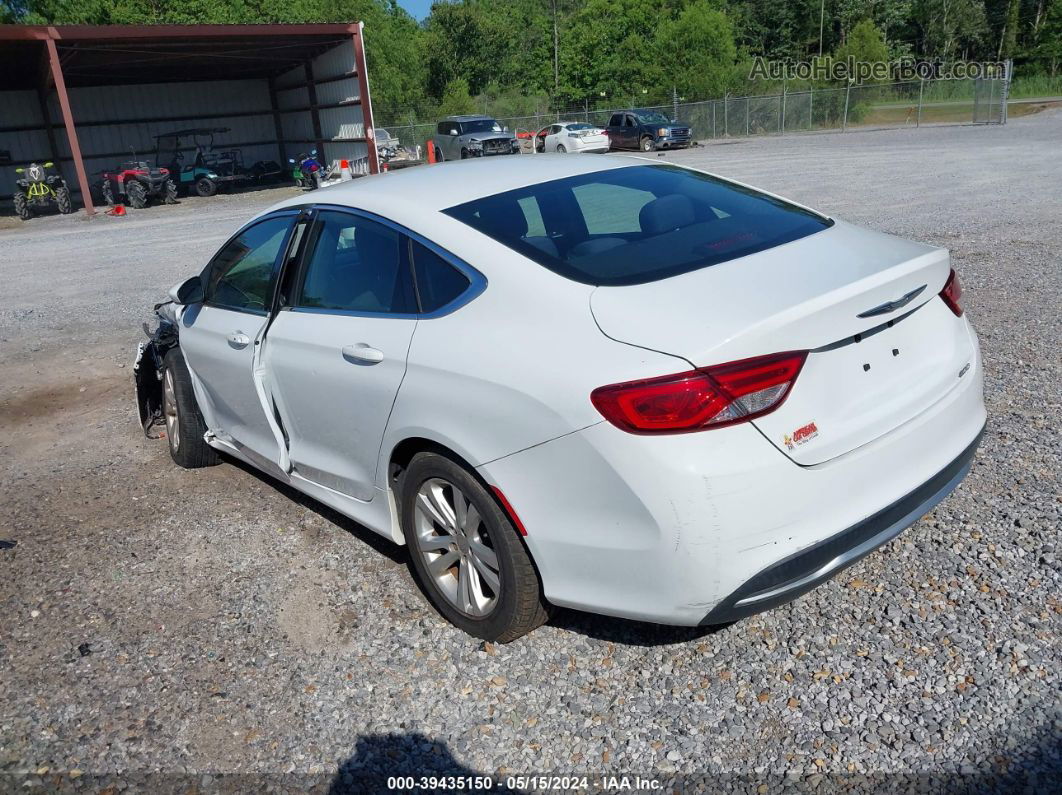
{"points": [[892, 306]]}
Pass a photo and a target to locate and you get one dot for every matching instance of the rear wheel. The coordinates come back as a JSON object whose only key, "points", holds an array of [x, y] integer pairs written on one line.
{"points": [[22, 207], [62, 199], [561, 149], [647, 144], [169, 192], [136, 193], [184, 422], [438, 155], [466, 554]]}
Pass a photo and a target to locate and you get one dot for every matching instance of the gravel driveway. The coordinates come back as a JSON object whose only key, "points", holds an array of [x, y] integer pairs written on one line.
{"points": [[180, 625]]}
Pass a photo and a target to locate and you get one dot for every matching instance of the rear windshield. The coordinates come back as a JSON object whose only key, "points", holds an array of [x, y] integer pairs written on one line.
{"points": [[636, 224]]}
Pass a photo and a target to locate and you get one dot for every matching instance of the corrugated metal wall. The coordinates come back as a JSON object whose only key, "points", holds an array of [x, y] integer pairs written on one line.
{"points": [[21, 109], [336, 123]]}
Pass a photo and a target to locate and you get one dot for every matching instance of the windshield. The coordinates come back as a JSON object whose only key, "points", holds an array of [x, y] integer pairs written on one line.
{"points": [[636, 224], [480, 125], [653, 117]]}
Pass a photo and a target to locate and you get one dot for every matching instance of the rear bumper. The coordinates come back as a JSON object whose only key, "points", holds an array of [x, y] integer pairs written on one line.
{"points": [[797, 574], [678, 529]]}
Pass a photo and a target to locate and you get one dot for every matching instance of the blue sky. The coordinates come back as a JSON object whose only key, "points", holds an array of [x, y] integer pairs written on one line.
{"points": [[417, 8]]}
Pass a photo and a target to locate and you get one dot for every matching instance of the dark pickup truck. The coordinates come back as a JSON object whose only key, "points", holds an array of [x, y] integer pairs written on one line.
{"points": [[646, 130]]}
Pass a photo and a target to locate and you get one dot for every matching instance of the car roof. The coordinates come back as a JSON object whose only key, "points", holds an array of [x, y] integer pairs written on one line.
{"points": [[409, 192], [469, 117]]}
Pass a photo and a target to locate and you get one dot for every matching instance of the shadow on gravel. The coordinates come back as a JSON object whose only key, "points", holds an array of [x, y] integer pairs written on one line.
{"points": [[380, 757], [630, 633], [379, 544]]}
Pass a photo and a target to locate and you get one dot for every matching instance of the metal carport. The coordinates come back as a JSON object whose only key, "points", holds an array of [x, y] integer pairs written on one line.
{"points": [[112, 88]]}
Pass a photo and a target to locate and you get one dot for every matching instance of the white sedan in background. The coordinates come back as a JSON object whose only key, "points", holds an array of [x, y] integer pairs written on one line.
{"points": [[605, 383], [573, 136]]}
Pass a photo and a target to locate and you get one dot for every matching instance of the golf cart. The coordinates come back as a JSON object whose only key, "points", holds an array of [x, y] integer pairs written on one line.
{"points": [[208, 168], [36, 188]]}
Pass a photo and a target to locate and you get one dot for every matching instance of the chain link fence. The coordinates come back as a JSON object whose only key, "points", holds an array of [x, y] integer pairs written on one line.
{"points": [[907, 104]]}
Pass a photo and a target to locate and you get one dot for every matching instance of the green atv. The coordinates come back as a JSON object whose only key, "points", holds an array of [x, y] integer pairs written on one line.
{"points": [[39, 189]]}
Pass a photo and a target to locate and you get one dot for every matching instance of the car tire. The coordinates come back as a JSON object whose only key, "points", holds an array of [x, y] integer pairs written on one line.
{"points": [[169, 192], [205, 187], [136, 193], [647, 144], [561, 149], [491, 590], [438, 155], [184, 422], [22, 206]]}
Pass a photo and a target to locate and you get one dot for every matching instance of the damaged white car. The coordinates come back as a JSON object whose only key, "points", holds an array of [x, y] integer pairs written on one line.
{"points": [[603, 383]]}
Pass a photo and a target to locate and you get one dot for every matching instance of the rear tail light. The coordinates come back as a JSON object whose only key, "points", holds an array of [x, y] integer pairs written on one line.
{"points": [[952, 293], [713, 397]]}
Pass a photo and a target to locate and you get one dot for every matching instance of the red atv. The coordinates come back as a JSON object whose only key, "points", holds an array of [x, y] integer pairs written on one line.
{"points": [[135, 183]]}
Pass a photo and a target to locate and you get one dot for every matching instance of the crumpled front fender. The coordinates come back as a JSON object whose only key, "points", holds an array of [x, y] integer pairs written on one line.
{"points": [[148, 366]]}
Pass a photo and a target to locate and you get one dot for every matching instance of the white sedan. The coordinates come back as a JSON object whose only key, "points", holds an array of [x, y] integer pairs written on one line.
{"points": [[604, 383], [572, 136]]}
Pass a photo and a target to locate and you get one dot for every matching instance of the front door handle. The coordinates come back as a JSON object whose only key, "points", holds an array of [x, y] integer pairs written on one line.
{"points": [[363, 353], [238, 339]]}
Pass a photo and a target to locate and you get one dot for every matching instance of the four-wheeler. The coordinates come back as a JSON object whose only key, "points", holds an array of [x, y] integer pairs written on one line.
{"points": [[39, 189], [135, 182], [646, 130]]}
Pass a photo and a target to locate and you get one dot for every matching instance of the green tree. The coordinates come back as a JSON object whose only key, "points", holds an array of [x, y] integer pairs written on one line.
{"points": [[696, 51], [456, 99]]}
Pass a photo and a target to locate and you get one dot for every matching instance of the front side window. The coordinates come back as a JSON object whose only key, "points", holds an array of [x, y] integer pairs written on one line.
{"points": [[241, 275], [636, 224], [616, 120], [356, 265]]}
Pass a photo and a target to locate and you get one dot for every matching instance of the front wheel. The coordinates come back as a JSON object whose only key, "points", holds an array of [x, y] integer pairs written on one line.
{"points": [[561, 149], [647, 144], [107, 192], [184, 422], [22, 207], [466, 554], [63, 201], [136, 193], [169, 192]]}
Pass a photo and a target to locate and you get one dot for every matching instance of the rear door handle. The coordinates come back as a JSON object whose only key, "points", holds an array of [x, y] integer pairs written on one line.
{"points": [[363, 353], [238, 339]]}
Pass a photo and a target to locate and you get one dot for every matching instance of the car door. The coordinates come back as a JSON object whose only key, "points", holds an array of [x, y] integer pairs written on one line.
{"points": [[615, 130], [449, 131], [335, 355], [221, 336], [630, 131]]}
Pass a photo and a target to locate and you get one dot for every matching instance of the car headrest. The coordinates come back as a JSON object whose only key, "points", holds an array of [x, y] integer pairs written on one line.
{"points": [[666, 214], [505, 217]]}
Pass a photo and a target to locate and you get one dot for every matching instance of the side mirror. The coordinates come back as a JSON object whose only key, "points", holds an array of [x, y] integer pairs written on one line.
{"points": [[453, 131], [313, 151], [291, 159], [190, 291], [20, 170], [49, 164]]}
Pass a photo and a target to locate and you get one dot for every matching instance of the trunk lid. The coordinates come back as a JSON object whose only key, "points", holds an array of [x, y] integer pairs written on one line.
{"points": [[864, 376]]}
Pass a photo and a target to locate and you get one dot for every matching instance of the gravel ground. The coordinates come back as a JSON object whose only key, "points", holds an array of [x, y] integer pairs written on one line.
{"points": [[209, 629]]}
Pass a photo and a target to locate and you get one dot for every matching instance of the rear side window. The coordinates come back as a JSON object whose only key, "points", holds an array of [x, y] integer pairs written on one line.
{"points": [[637, 224], [438, 282], [616, 120], [356, 265]]}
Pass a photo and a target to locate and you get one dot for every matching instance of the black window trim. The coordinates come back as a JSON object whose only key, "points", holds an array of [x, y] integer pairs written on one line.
{"points": [[477, 282], [274, 278]]}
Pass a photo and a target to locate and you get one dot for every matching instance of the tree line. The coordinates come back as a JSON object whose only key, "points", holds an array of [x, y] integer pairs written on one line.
{"points": [[529, 56]]}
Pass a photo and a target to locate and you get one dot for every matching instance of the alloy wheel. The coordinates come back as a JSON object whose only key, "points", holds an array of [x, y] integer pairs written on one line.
{"points": [[453, 540], [169, 409]]}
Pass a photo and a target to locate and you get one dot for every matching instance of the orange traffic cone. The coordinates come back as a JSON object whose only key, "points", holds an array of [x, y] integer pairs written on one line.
{"points": [[431, 150], [118, 209]]}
